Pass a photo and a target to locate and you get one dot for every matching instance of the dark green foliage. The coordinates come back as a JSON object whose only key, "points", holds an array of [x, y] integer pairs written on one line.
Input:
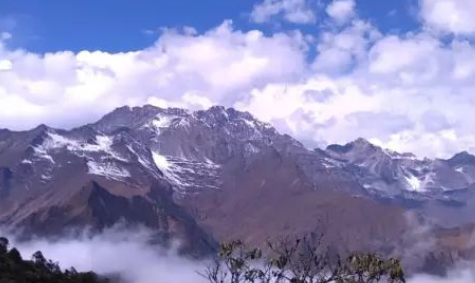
{"points": [[13, 269], [300, 261], [3, 245]]}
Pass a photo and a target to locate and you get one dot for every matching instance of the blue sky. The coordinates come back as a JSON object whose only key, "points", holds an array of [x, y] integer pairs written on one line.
{"points": [[398, 73], [114, 26], [110, 25]]}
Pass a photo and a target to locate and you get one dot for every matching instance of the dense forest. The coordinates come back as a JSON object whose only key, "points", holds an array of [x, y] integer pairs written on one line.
{"points": [[38, 269]]}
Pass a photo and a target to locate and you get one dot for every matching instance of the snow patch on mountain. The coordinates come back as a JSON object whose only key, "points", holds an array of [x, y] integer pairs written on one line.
{"points": [[186, 175], [145, 163], [329, 163], [250, 124], [45, 177], [161, 162], [55, 141], [160, 122], [414, 183], [108, 170], [402, 156], [170, 171], [42, 153]]}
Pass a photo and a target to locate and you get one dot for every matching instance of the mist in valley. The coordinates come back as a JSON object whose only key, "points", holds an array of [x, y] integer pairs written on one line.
{"points": [[127, 253], [117, 252]]}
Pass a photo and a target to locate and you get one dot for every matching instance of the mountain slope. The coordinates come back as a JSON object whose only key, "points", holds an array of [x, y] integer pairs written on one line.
{"points": [[221, 172], [271, 199]]}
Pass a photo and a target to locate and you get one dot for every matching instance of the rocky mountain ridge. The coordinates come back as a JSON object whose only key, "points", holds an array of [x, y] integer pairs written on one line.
{"points": [[192, 145], [215, 174]]}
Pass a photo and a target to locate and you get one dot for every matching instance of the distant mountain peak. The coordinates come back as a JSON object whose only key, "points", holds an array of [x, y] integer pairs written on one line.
{"points": [[463, 154], [358, 145], [361, 142], [217, 108], [42, 128], [462, 158], [228, 112]]}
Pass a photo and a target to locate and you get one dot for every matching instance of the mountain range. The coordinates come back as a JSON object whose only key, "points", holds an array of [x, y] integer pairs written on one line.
{"points": [[219, 174]]}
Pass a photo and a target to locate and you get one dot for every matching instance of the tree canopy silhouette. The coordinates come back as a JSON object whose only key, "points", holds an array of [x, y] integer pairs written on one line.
{"points": [[299, 261]]}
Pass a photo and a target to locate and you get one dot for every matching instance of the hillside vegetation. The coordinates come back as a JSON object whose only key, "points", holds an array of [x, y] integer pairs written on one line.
{"points": [[13, 269]]}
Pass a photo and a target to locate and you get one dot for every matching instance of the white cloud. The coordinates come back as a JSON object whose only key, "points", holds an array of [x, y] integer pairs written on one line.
{"points": [[5, 65], [409, 92], [125, 253], [462, 275], [339, 51], [449, 16], [5, 36], [341, 10], [189, 70], [118, 252], [293, 11]]}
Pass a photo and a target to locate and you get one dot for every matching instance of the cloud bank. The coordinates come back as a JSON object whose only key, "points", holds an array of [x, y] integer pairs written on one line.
{"points": [[458, 276], [123, 252], [405, 91], [118, 251]]}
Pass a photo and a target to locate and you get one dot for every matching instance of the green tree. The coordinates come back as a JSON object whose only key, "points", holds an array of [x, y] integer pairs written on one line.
{"points": [[299, 261], [3, 245]]}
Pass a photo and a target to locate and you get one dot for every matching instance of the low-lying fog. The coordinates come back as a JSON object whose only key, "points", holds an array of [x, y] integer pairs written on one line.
{"points": [[117, 251], [127, 253]]}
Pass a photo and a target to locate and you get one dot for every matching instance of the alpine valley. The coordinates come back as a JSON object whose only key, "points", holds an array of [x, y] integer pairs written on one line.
{"points": [[210, 176]]}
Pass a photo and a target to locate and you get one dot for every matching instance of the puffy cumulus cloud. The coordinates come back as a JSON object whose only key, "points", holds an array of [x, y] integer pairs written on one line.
{"points": [[330, 105], [341, 10], [338, 52], [182, 69], [408, 92], [449, 16], [293, 11]]}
